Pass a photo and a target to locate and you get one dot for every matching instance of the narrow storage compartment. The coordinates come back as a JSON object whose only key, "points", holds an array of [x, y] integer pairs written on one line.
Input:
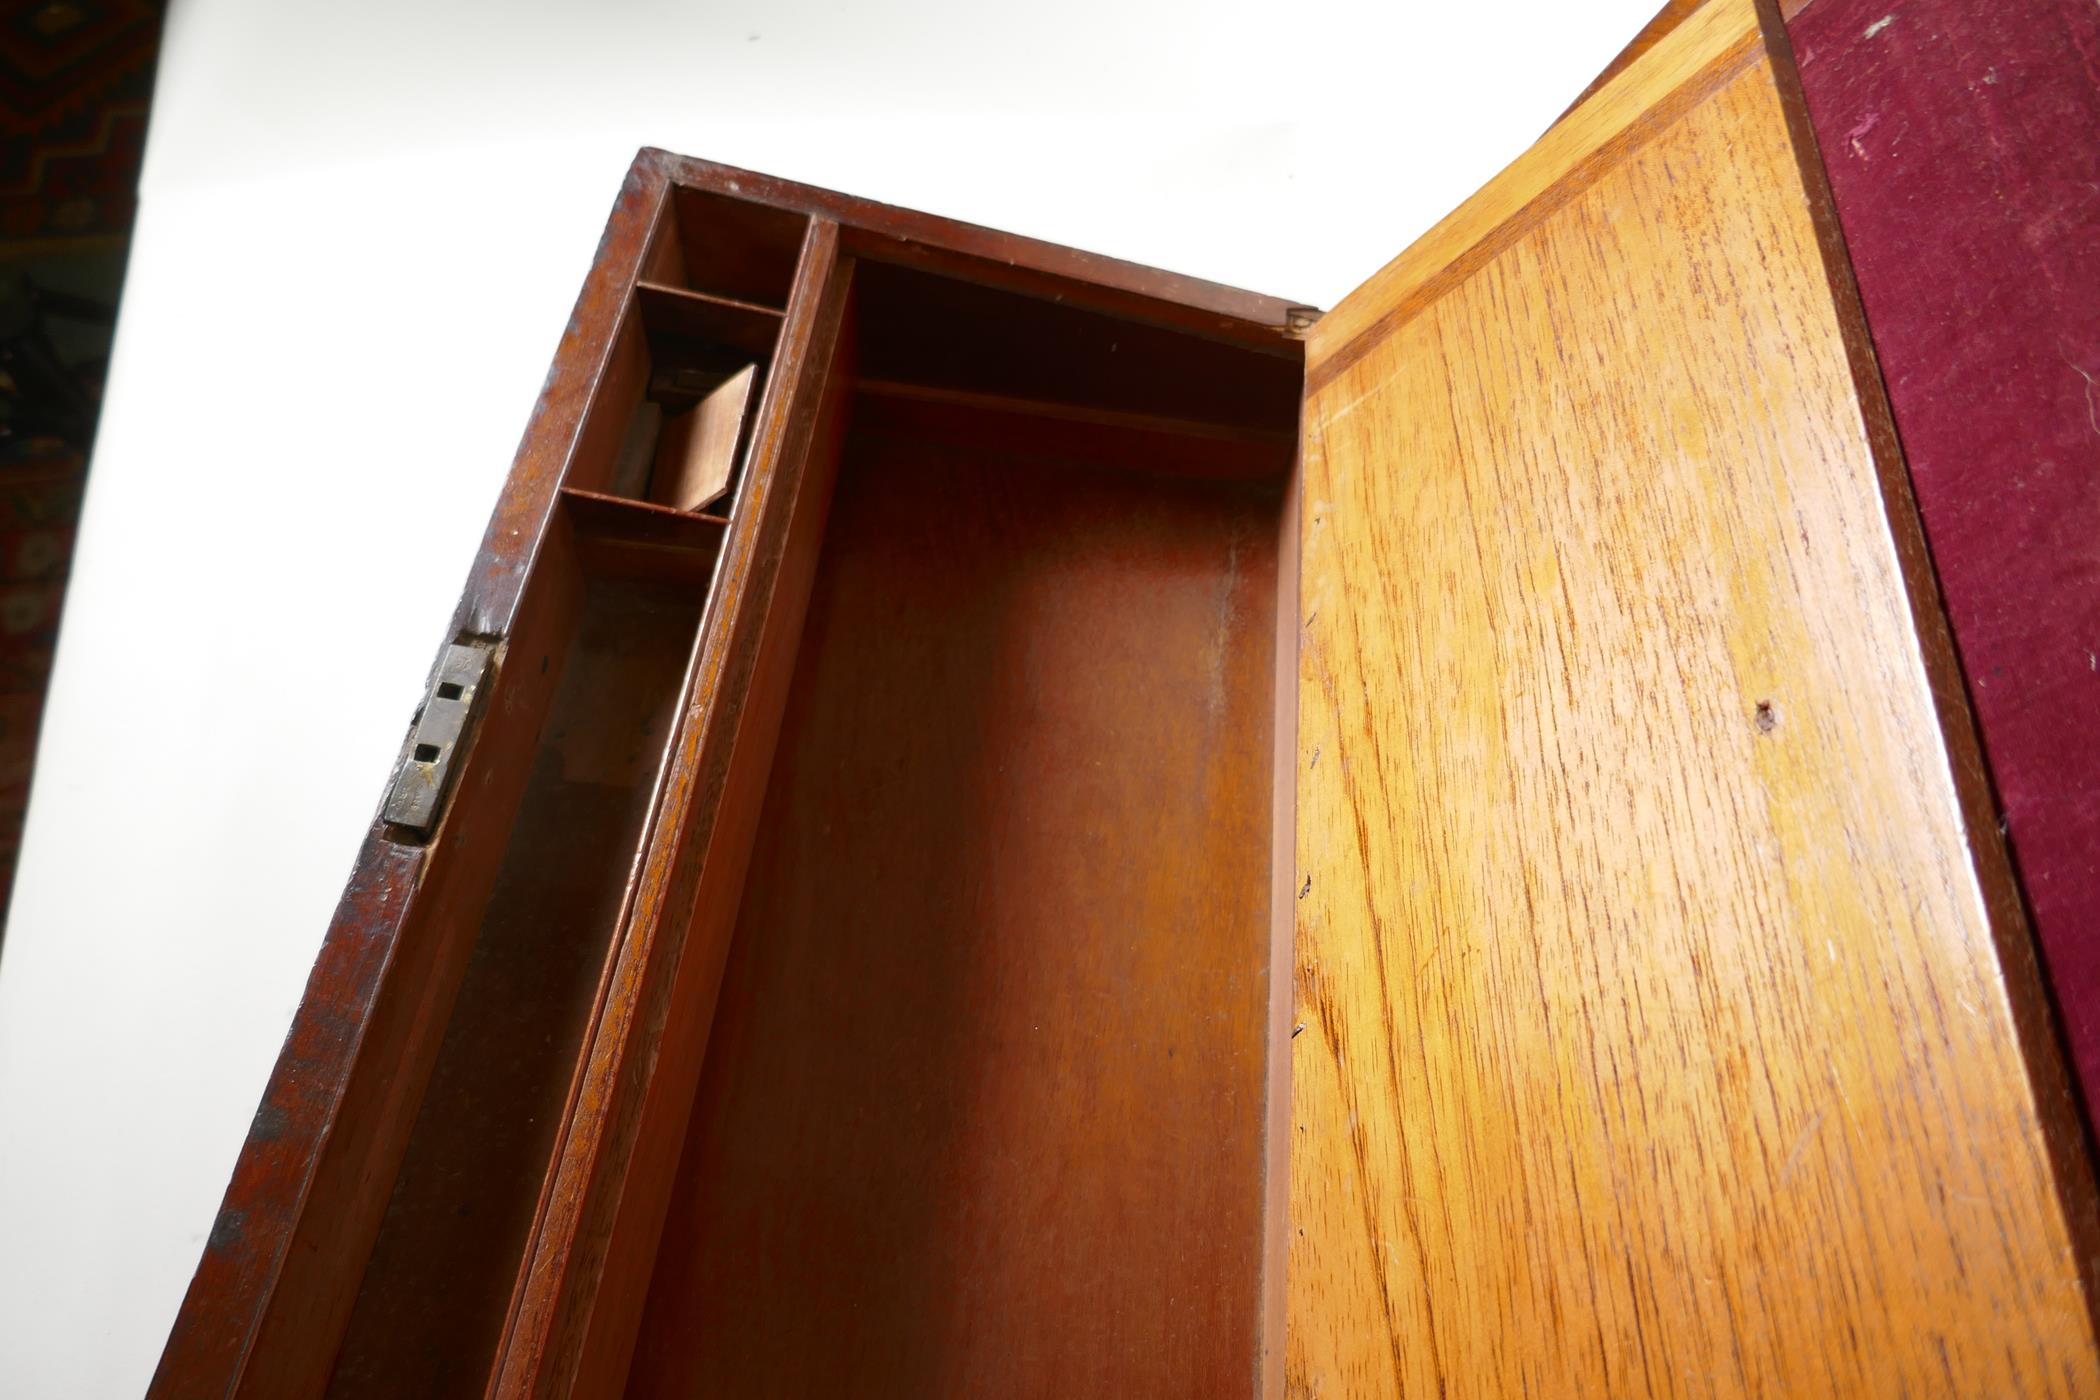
{"points": [[433, 1298], [620, 538], [721, 246], [672, 418], [709, 360], [679, 360], [985, 1106], [626, 579]]}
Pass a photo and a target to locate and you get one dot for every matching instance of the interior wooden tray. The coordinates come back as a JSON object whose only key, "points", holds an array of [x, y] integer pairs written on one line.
{"points": [[877, 988], [983, 1106]]}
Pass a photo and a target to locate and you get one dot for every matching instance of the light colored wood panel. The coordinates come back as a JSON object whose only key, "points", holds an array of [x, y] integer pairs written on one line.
{"points": [[1658, 28], [1656, 1037], [1684, 65]]}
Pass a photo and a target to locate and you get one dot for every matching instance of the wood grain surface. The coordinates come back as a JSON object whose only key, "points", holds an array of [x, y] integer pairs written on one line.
{"points": [[1682, 68], [1658, 27], [1663, 1001], [984, 1108], [699, 451], [579, 1298], [435, 1291], [718, 248]]}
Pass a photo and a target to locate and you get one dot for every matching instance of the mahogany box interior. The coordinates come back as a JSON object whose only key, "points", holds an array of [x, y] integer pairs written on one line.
{"points": [[985, 1083]]}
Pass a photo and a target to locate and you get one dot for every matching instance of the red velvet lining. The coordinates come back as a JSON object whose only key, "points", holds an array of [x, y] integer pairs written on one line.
{"points": [[1963, 145]]}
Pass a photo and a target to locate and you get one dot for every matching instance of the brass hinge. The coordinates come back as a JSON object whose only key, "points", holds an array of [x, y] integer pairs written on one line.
{"points": [[417, 797], [1297, 320]]}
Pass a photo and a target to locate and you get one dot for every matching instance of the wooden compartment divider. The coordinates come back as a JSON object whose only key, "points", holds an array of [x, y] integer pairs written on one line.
{"points": [[573, 1319], [744, 325], [463, 1235], [622, 537]]}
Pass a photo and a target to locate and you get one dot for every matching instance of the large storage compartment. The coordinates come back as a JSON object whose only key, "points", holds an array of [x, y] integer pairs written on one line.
{"points": [[983, 1110]]}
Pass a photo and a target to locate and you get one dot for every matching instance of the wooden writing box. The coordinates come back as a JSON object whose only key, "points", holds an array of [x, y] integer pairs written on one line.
{"points": [[1160, 843]]}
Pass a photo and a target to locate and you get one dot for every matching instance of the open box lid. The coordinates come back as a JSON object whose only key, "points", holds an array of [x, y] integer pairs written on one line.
{"points": [[1666, 996], [1661, 995]]}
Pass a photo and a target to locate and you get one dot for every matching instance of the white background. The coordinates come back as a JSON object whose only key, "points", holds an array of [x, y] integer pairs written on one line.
{"points": [[362, 228]]}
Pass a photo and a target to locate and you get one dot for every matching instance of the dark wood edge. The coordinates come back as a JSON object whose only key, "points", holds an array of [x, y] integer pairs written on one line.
{"points": [[216, 1332], [1270, 1382], [1068, 412], [884, 233], [618, 537], [554, 430], [2043, 1046], [648, 290], [595, 510], [274, 1288]]}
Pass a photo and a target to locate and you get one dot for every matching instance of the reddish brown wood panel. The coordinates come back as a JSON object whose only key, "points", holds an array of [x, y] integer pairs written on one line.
{"points": [[984, 1108], [435, 1293], [580, 1301], [623, 538], [266, 1308], [1963, 146], [277, 1281], [939, 331]]}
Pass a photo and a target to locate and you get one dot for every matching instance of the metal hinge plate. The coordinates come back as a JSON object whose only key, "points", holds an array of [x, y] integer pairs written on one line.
{"points": [[418, 795]]}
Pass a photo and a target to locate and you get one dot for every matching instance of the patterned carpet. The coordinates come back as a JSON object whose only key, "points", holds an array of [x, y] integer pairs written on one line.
{"points": [[76, 77], [76, 80]]}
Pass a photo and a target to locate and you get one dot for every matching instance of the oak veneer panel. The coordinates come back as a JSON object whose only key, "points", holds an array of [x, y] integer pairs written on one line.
{"points": [[983, 1111], [1685, 65], [1658, 27], [1658, 1037]]}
